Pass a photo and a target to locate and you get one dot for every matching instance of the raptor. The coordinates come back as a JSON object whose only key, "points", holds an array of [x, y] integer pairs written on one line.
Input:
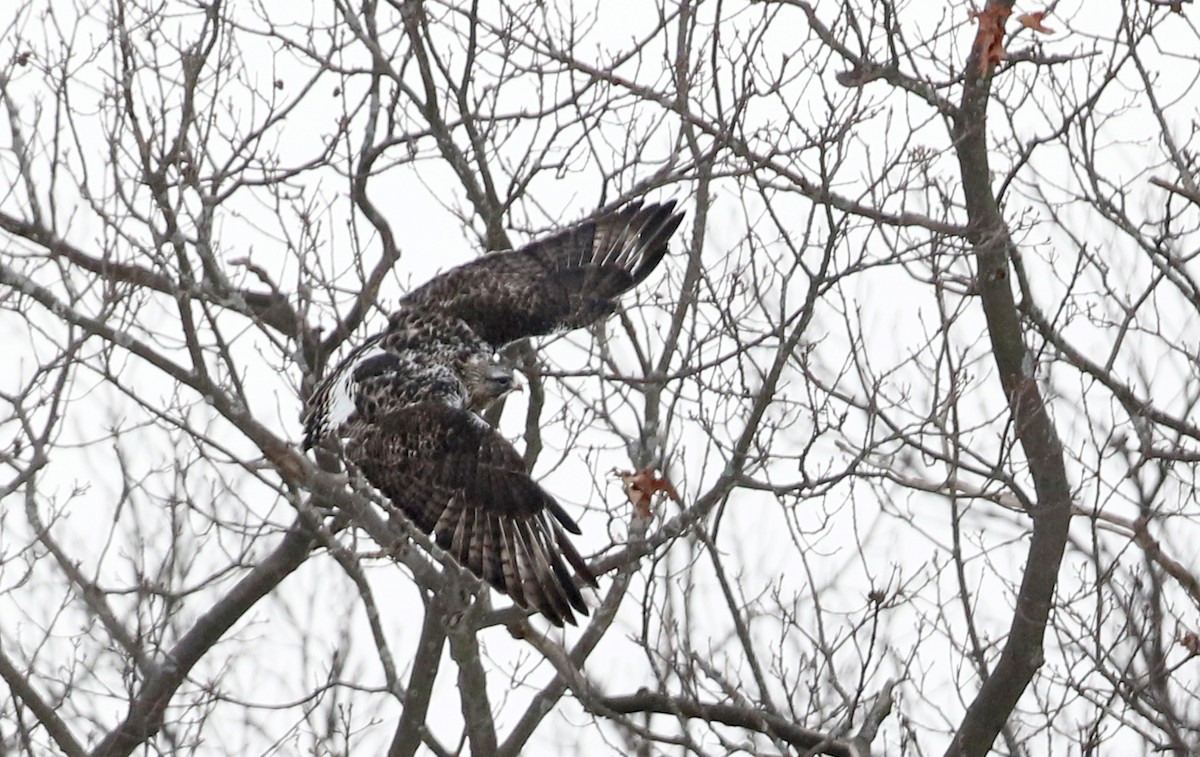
{"points": [[406, 402]]}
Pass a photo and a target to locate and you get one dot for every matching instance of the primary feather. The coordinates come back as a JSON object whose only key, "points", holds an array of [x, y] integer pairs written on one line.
{"points": [[453, 475], [563, 281]]}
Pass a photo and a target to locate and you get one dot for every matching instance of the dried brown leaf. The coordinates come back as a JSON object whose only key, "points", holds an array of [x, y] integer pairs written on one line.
{"points": [[641, 488], [1191, 642], [989, 40], [1034, 21]]}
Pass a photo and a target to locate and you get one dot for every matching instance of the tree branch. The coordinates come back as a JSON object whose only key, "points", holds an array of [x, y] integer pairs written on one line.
{"points": [[149, 705], [47, 715], [987, 231], [803, 739]]}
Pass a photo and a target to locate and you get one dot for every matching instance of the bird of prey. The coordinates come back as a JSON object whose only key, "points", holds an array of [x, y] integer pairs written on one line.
{"points": [[406, 402]]}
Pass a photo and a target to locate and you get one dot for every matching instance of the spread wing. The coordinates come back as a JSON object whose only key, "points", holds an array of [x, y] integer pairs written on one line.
{"points": [[563, 281], [454, 475]]}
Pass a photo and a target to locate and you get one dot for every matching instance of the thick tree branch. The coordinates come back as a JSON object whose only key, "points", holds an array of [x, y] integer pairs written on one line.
{"points": [[150, 703], [1051, 514], [269, 308], [426, 661], [19, 685], [803, 739], [472, 690]]}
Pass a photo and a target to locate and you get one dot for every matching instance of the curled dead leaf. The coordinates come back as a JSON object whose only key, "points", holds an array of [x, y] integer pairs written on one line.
{"points": [[1191, 642], [989, 40], [1034, 21], [641, 488]]}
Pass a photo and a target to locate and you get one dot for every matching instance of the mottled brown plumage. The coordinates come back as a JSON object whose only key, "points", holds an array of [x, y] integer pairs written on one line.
{"points": [[455, 476], [406, 400], [564, 281]]}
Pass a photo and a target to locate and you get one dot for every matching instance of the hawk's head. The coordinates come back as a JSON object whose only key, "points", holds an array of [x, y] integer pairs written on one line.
{"points": [[488, 378]]}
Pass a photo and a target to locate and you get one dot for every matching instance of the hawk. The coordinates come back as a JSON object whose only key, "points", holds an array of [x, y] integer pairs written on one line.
{"points": [[406, 402]]}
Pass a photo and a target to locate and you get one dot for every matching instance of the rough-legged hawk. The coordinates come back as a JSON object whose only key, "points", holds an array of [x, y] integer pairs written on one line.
{"points": [[406, 400]]}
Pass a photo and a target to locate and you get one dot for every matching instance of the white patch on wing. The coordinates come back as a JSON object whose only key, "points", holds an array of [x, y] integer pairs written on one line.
{"points": [[341, 399], [344, 392]]}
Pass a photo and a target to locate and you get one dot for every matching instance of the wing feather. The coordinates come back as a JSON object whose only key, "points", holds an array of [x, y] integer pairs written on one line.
{"points": [[454, 475], [563, 281], [373, 380], [332, 402], [512, 574]]}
